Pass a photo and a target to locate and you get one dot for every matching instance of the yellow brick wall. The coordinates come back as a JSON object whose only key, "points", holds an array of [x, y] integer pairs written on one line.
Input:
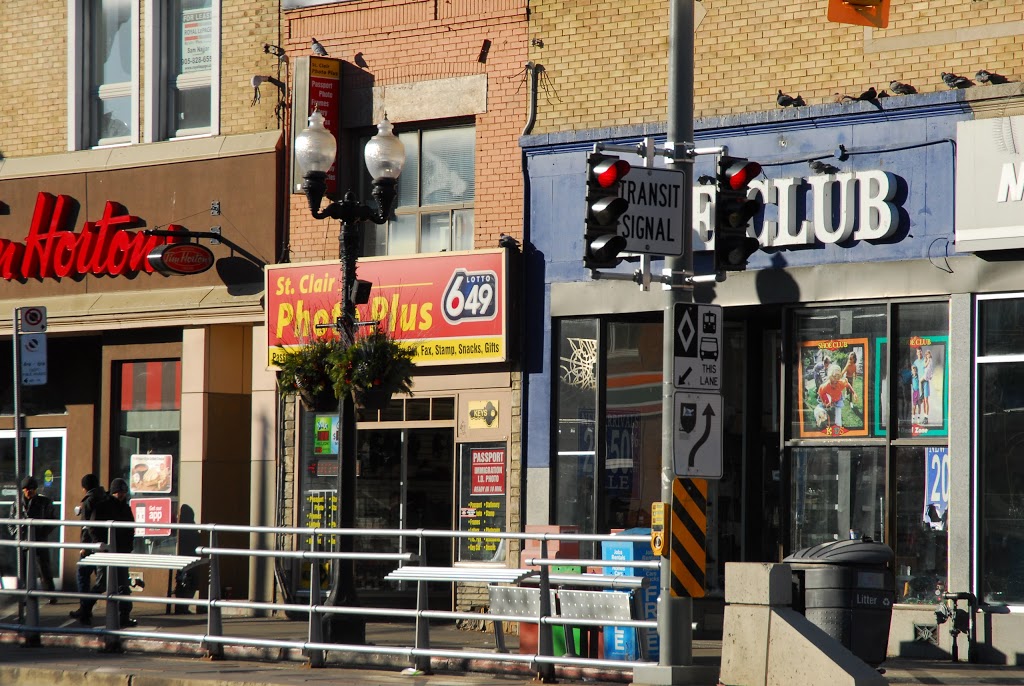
{"points": [[744, 52], [402, 41], [33, 82]]}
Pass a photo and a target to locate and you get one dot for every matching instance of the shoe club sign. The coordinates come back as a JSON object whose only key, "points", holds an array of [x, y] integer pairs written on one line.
{"points": [[52, 249]]}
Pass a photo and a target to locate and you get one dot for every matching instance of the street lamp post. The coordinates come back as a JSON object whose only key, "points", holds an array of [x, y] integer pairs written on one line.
{"points": [[315, 150]]}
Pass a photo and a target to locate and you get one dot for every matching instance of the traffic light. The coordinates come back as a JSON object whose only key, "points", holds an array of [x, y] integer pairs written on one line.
{"points": [[733, 212], [604, 207]]}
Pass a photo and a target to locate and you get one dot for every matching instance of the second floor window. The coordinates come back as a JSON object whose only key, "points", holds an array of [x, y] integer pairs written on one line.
{"points": [[434, 210], [106, 39], [184, 36]]}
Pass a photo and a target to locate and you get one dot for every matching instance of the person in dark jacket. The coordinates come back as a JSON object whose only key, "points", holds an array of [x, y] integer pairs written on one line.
{"points": [[34, 505], [94, 507], [124, 542]]}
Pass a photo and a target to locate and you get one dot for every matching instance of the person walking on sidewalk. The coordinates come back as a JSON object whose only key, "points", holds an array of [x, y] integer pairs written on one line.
{"points": [[124, 542], [34, 505], [95, 507]]}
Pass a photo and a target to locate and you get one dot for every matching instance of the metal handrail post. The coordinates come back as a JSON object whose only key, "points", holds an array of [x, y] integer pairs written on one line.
{"points": [[214, 626], [31, 601], [112, 643], [545, 639], [316, 625], [422, 662]]}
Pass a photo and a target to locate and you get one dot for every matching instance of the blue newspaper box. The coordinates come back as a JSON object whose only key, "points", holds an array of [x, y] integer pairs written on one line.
{"points": [[620, 643]]}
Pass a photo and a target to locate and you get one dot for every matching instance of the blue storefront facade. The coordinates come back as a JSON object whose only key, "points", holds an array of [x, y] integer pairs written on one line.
{"points": [[869, 354]]}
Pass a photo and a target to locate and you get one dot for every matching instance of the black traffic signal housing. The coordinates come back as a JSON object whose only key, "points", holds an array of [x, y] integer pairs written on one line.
{"points": [[602, 242], [733, 212]]}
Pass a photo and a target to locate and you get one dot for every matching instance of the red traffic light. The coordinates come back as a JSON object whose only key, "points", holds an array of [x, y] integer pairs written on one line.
{"points": [[610, 171], [737, 172]]}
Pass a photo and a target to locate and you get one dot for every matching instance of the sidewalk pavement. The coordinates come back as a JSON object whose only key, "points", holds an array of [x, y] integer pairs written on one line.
{"points": [[75, 659]]}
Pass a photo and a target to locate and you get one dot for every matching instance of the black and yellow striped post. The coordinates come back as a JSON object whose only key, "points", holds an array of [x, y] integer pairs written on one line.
{"points": [[688, 536]]}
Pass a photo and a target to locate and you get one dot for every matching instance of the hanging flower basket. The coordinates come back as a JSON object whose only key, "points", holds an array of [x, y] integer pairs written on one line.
{"points": [[322, 401], [375, 364], [306, 371], [372, 399], [372, 369]]}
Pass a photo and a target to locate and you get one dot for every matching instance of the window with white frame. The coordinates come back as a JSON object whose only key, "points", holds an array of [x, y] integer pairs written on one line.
{"points": [[103, 103], [434, 209], [185, 36]]}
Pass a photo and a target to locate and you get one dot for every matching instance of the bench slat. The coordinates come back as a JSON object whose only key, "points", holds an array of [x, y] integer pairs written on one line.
{"points": [[140, 561], [455, 574]]}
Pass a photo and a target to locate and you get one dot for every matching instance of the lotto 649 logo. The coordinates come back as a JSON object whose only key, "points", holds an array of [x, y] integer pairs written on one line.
{"points": [[470, 296]]}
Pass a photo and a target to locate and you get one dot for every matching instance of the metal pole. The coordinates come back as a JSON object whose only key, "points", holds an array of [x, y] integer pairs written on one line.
{"points": [[346, 628], [16, 340], [675, 614]]}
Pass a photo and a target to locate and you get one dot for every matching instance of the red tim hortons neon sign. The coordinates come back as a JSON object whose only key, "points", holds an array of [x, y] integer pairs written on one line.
{"points": [[52, 249]]}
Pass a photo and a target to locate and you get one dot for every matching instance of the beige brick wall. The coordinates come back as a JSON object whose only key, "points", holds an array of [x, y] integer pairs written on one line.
{"points": [[744, 52], [402, 42], [33, 82]]}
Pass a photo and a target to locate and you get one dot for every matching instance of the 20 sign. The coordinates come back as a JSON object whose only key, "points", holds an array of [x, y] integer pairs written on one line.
{"points": [[936, 498], [470, 296]]}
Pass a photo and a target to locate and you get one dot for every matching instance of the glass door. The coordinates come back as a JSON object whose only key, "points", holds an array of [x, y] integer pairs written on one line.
{"points": [[44, 458]]}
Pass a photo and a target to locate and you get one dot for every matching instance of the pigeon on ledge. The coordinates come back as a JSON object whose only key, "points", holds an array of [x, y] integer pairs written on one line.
{"points": [[901, 88], [784, 100], [954, 81], [318, 49], [985, 76]]}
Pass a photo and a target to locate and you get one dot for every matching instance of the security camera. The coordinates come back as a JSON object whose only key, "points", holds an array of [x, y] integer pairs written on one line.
{"points": [[257, 80]]}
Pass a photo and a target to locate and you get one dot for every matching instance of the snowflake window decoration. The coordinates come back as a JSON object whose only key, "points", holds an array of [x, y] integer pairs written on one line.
{"points": [[579, 369]]}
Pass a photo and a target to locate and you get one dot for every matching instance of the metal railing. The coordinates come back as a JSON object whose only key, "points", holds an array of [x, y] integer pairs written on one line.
{"points": [[418, 654]]}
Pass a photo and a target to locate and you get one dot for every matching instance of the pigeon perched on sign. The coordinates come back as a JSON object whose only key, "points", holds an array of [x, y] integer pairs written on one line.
{"points": [[819, 167], [901, 88], [985, 76], [784, 100], [954, 81], [318, 49]]}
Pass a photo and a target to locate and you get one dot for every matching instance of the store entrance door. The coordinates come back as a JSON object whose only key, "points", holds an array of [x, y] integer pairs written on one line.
{"points": [[405, 481], [43, 457]]}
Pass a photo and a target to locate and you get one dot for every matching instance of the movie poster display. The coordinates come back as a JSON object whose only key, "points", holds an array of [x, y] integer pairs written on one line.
{"points": [[834, 396], [921, 390]]}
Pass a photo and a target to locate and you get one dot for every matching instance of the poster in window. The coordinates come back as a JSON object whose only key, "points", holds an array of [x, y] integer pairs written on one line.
{"points": [[831, 400], [483, 496], [921, 395], [150, 473]]}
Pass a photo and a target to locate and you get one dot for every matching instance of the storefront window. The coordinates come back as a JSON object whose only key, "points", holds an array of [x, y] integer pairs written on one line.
{"points": [[838, 493], [835, 366], [844, 403], [632, 423], [922, 497], [576, 408], [1000, 440], [148, 444]]}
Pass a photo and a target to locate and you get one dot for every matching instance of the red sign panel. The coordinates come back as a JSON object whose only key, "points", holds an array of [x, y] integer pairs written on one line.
{"points": [[152, 511], [325, 95], [181, 258], [487, 472], [449, 308]]}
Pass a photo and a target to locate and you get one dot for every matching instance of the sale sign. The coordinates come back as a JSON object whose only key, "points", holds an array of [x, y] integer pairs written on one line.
{"points": [[448, 308]]}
